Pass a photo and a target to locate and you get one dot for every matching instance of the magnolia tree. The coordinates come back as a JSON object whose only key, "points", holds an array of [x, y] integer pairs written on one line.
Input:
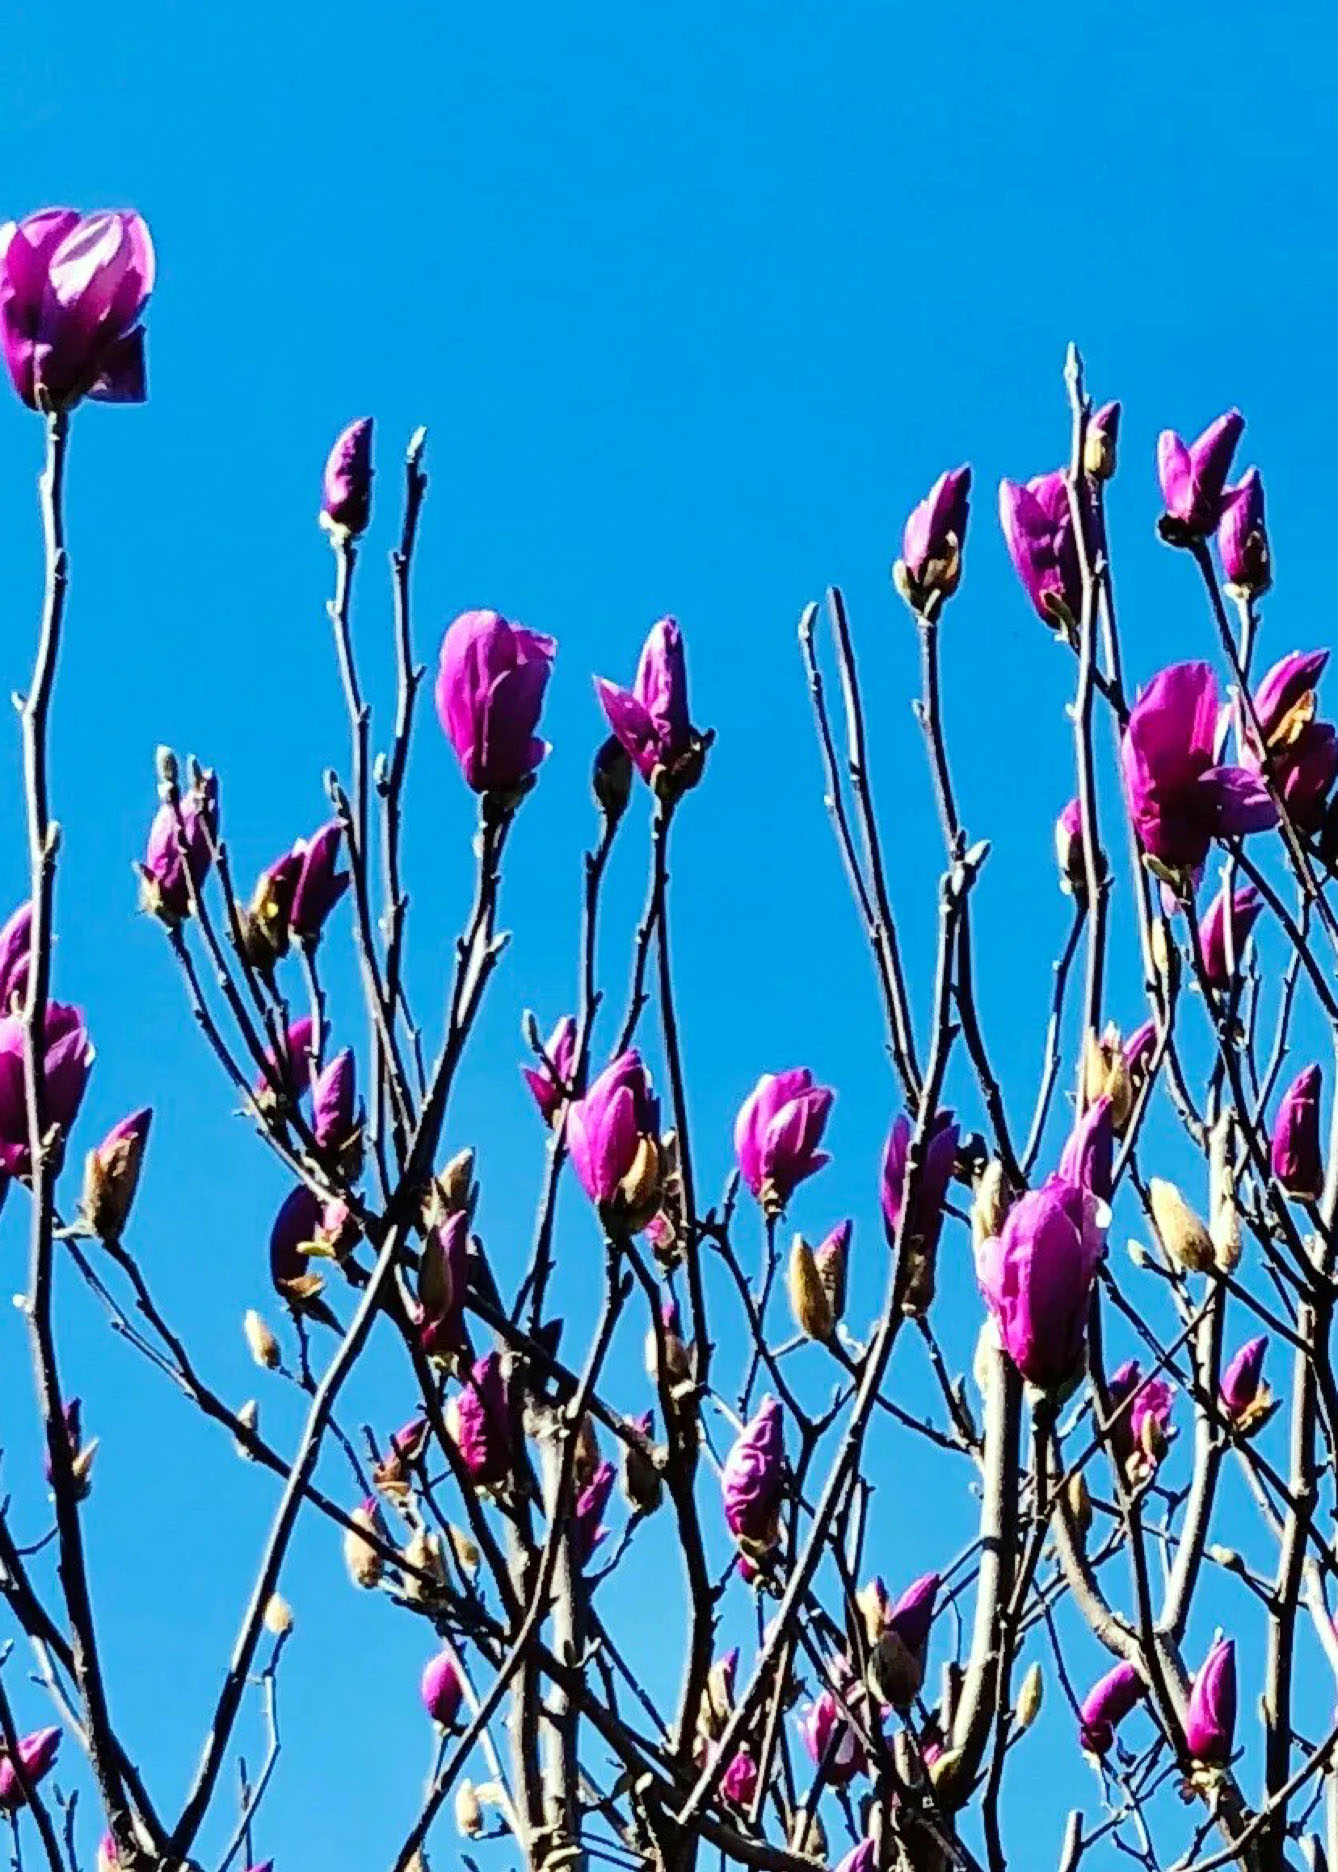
{"points": [[1142, 1548]]}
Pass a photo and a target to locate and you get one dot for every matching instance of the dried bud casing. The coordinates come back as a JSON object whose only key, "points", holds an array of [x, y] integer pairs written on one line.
{"points": [[422, 1554], [586, 1459], [263, 1346], [468, 1811], [278, 1615], [895, 1673], [989, 1203], [455, 1185], [467, 1556], [1079, 1504], [360, 1557], [1224, 1216], [809, 1300], [1029, 1697], [1106, 1075], [1182, 1234]]}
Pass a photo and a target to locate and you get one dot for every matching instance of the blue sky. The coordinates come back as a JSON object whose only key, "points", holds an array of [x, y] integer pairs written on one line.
{"points": [[695, 302]]}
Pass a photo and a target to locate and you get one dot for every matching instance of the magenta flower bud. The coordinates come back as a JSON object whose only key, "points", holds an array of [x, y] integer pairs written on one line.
{"points": [[1103, 435], [1037, 525], [777, 1133], [480, 1423], [1193, 478], [1036, 1277], [651, 719], [931, 546], [1106, 1705], [287, 1069], [752, 1481], [613, 1136], [346, 492], [1140, 1413], [939, 1162], [1241, 1379], [37, 1753], [1242, 539], [320, 883], [1210, 1724], [1070, 851], [913, 1614], [1088, 1158], [1223, 940], [550, 1081], [73, 289], [1302, 752], [1179, 798], [490, 689], [295, 1227], [738, 1784], [111, 1175], [586, 1529], [15, 943], [1298, 1162], [178, 855], [443, 1280], [830, 1741], [334, 1101], [442, 1690], [67, 1057]]}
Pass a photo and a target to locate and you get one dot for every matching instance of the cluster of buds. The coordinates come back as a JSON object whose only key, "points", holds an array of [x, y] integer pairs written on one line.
{"points": [[180, 847], [293, 898]]}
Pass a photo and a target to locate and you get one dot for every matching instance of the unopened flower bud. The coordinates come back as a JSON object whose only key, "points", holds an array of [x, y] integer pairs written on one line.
{"points": [[611, 778], [346, 491], [261, 1343], [467, 1556], [1226, 1557], [895, 1673], [873, 1605], [1099, 444], [586, 1459], [468, 1811], [422, 1555], [1029, 1697], [278, 1615], [248, 1417], [360, 1556], [111, 1175], [1183, 1236], [832, 1259], [1106, 1074], [455, 1185], [809, 1303]]}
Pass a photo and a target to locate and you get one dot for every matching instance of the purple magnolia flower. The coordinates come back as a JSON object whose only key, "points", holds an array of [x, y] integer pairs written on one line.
{"points": [[1193, 478], [931, 545], [287, 1069], [336, 1120], [1241, 1379], [179, 855], [346, 491], [831, 1742], [1302, 753], [1106, 1705], [938, 1161], [15, 943], [751, 1482], [1222, 958], [490, 689], [651, 719], [73, 289], [612, 1136], [550, 1092], [320, 883], [913, 1614], [1088, 1158], [1210, 1724], [442, 1690], [586, 1530], [1298, 1162], [479, 1419], [777, 1134], [37, 1753], [111, 1174], [67, 1060], [1038, 532], [1036, 1277], [1180, 799], [738, 1784], [1242, 539]]}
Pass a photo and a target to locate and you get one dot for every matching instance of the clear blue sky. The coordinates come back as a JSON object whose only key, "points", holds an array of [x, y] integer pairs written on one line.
{"points": [[695, 301]]}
